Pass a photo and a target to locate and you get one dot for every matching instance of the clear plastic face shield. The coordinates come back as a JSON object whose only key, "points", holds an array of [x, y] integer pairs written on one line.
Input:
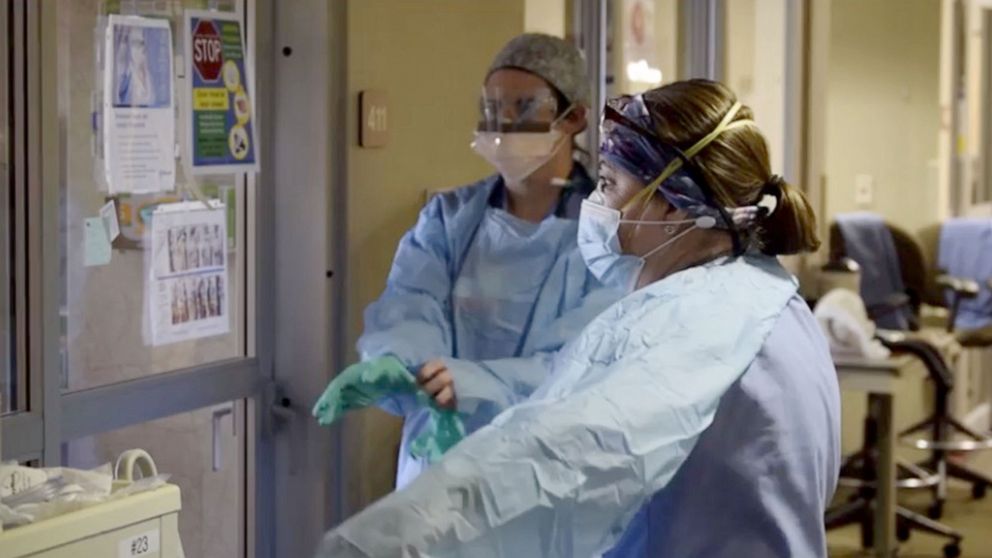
{"points": [[504, 110], [518, 130]]}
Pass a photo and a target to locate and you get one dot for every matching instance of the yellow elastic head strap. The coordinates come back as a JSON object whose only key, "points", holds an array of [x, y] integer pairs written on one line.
{"points": [[644, 195]]}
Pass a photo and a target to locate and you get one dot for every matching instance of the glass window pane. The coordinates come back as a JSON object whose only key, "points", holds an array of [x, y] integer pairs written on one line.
{"points": [[11, 386], [208, 466], [109, 307], [642, 45]]}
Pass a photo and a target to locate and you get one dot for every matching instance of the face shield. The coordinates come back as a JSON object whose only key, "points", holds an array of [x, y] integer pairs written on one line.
{"points": [[509, 111], [518, 130]]}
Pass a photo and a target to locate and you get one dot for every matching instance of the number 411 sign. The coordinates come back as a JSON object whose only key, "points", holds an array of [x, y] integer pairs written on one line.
{"points": [[374, 125]]}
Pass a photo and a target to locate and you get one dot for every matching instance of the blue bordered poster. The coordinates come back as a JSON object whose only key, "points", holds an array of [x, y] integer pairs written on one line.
{"points": [[221, 123]]}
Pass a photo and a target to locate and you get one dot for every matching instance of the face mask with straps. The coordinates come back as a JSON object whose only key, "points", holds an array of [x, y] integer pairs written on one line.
{"points": [[517, 135], [629, 143]]}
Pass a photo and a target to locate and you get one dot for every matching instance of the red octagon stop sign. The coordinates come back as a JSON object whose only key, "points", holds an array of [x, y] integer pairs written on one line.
{"points": [[207, 51]]}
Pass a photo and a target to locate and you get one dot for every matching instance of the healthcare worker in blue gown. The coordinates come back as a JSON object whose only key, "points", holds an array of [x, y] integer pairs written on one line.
{"points": [[491, 271], [696, 417]]}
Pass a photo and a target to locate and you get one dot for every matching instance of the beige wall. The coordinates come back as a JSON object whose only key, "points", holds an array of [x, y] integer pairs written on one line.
{"points": [[883, 107], [546, 16], [755, 66], [975, 146], [430, 58], [667, 22]]}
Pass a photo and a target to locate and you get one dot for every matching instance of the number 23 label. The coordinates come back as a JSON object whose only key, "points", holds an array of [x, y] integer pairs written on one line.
{"points": [[145, 544]]}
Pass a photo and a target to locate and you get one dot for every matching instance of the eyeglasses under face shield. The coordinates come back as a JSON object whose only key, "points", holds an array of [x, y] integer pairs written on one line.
{"points": [[504, 110]]}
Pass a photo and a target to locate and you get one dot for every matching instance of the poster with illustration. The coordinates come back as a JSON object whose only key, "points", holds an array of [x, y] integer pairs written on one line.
{"points": [[187, 288], [139, 127], [221, 121]]}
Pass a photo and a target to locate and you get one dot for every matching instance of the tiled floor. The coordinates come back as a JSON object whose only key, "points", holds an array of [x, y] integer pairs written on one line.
{"points": [[972, 517]]}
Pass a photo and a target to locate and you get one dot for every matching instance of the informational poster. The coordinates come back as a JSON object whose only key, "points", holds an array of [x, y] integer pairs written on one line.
{"points": [[188, 282], [139, 126], [221, 124]]}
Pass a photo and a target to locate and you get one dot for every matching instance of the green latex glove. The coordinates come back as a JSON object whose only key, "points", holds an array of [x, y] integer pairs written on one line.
{"points": [[361, 385], [446, 430], [365, 383]]}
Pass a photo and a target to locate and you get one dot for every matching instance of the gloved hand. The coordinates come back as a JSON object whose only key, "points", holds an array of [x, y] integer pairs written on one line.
{"points": [[365, 383], [361, 385], [445, 431]]}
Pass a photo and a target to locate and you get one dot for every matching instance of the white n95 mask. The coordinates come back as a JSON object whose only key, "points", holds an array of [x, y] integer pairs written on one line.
{"points": [[599, 243], [516, 155]]}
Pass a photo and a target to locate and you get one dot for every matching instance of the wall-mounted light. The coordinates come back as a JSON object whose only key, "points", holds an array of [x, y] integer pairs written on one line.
{"points": [[641, 72]]}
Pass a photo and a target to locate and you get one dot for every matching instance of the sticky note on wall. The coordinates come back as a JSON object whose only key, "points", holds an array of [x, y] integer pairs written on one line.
{"points": [[96, 247]]}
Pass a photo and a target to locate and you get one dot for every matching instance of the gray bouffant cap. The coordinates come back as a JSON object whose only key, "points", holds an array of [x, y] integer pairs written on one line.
{"points": [[555, 60]]}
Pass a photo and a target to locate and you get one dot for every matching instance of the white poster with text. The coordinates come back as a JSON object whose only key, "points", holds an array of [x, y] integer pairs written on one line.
{"points": [[139, 122]]}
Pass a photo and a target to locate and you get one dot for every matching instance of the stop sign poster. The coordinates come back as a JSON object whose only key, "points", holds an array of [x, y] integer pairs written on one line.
{"points": [[221, 127]]}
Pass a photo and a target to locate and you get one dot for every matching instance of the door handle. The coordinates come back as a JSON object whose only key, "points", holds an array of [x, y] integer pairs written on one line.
{"points": [[217, 416], [284, 414], [283, 409]]}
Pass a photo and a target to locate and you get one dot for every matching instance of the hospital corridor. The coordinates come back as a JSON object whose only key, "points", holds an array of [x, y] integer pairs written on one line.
{"points": [[495, 278]]}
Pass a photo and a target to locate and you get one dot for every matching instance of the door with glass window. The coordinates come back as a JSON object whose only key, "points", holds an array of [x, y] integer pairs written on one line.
{"points": [[11, 390], [127, 317]]}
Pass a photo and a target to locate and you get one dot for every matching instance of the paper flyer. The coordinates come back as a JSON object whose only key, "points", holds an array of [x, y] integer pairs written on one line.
{"points": [[96, 243], [187, 283], [109, 215], [139, 126], [220, 123]]}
